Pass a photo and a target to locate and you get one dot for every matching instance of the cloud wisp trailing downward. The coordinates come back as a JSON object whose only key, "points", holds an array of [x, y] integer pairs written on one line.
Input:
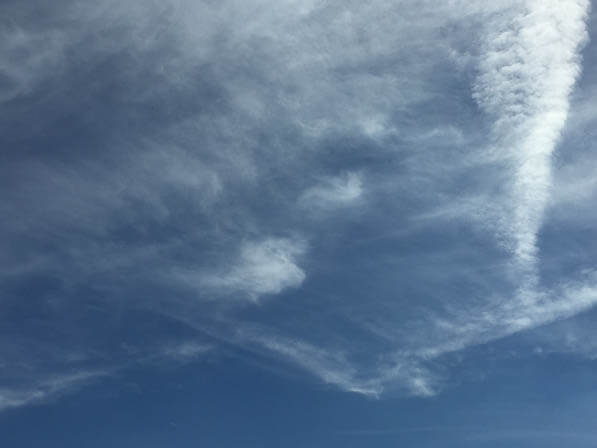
{"points": [[530, 64], [527, 70]]}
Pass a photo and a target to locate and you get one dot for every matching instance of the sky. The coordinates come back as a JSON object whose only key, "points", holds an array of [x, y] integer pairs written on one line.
{"points": [[298, 223]]}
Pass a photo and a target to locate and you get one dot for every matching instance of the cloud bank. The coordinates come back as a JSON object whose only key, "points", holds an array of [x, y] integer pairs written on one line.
{"points": [[381, 193]]}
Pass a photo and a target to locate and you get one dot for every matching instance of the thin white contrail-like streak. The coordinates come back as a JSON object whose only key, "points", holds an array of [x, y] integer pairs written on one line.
{"points": [[527, 72], [529, 67]]}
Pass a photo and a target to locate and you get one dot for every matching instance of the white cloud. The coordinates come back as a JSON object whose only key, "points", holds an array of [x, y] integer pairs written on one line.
{"points": [[327, 75], [528, 68], [185, 351], [508, 316], [407, 372], [46, 389], [332, 368], [333, 192], [264, 267]]}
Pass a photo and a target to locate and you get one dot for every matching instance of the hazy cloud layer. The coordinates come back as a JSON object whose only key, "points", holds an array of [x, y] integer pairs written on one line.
{"points": [[284, 179]]}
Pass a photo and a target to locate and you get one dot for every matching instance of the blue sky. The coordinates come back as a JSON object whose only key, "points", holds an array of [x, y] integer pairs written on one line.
{"points": [[298, 223]]}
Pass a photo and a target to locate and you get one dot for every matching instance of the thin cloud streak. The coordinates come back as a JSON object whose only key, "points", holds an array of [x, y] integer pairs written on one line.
{"points": [[527, 72], [47, 389]]}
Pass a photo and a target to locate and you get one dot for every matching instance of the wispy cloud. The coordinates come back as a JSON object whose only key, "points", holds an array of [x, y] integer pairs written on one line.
{"points": [[527, 70], [28, 57], [43, 386], [184, 142], [529, 66], [332, 368], [185, 350], [263, 267], [333, 192], [47, 389]]}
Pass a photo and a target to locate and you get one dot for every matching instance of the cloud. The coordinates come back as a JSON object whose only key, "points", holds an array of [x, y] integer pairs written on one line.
{"points": [[36, 384], [332, 368], [510, 316], [28, 58], [46, 389], [527, 71], [171, 145], [414, 371], [185, 351], [333, 192], [264, 267]]}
